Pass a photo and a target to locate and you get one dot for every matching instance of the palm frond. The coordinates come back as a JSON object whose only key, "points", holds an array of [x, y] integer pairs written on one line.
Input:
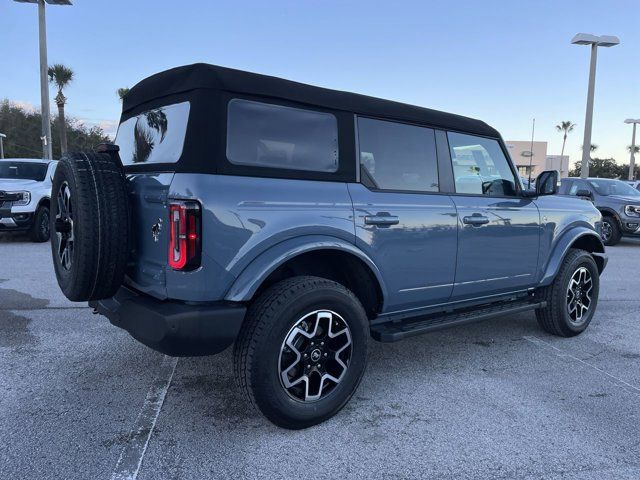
{"points": [[60, 75]]}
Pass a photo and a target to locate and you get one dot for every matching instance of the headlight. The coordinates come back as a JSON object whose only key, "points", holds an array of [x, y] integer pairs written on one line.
{"points": [[632, 210], [26, 198]]}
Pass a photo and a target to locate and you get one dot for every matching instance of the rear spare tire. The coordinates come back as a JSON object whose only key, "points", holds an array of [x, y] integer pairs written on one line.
{"points": [[89, 225]]}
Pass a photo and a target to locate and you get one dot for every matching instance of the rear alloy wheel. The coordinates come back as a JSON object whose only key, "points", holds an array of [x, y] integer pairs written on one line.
{"points": [[315, 355], [302, 351], [572, 297]]}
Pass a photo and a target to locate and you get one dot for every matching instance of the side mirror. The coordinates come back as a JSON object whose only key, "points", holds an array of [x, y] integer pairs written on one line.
{"points": [[547, 183], [584, 193]]}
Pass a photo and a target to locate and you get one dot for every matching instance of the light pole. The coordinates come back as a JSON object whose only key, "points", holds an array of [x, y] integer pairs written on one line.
{"points": [[632, 160], [44, 66], [595, 42], [2, 137]]}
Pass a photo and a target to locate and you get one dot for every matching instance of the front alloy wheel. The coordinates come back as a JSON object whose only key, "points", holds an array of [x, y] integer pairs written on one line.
{"points": [[607, 231], [579, 295], [571, 300]]}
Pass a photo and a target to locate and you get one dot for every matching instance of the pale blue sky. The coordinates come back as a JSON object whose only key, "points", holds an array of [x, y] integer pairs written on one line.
{"points": [[504, 62]]}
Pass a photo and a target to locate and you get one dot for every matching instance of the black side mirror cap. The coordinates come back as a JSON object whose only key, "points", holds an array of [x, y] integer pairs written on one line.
{"points": [[584, 193], [547, 183]]}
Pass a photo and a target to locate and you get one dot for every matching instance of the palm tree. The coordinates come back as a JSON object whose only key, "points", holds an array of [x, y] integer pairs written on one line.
{"points": [[61, 76], [122, 92], [636, 148], [566, 127], [592, 148]]}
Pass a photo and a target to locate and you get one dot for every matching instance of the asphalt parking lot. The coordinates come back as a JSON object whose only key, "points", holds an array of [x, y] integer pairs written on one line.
{"points": [[499, 399]]}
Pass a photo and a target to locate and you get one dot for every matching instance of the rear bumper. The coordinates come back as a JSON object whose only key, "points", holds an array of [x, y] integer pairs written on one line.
{"points": [[171, 327]]}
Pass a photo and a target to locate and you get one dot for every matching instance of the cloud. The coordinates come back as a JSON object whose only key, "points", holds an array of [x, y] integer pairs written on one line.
{"points": [[108, 126], [26, 106]]}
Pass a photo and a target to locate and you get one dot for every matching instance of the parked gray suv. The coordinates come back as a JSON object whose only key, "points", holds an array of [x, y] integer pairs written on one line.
{"points": [[296, 222], [618, 202]]}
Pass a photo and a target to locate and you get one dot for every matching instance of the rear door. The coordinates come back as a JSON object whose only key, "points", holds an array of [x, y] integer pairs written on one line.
{"points": [[499, 230], [151, 143], [403, 222]]}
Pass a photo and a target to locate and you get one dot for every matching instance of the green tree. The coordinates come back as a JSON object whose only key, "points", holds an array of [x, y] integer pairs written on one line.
{"points": [[122, 92], [601, 168], [636, 148], [566, 127], [23, 129], [61, 77]]}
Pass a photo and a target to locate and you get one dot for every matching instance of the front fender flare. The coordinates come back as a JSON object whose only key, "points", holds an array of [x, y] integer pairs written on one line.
{"points": [[250, 279], [562, 247]]}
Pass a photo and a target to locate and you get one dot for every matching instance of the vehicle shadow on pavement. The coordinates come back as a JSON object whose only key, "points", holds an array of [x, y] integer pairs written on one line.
{"points": [[14, 238], [207, 386]]}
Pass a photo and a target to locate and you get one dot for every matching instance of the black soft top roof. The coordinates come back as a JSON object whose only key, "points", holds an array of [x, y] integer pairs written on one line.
{"points": [[206, 76]]}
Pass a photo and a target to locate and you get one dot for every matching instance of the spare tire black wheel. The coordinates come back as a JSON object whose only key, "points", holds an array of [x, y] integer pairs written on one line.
{"points": [[89, 225]]}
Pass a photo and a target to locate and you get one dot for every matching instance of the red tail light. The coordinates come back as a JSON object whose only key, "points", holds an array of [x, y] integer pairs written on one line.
{"points": [[184, 235]]}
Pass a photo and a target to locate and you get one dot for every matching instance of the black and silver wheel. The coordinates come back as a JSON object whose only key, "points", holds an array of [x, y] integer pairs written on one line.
{"points": [[611, 233], [63, 226], [579, 293], [315, 355], [40, 230], [302, 351], [572, 297]]}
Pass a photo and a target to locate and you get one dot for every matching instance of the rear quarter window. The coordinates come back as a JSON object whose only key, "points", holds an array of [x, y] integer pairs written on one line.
{"points": [[274, 136], [154, 136]]}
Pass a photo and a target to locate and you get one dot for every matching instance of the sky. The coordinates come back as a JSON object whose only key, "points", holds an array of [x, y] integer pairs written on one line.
{"points": [[504, 62]]}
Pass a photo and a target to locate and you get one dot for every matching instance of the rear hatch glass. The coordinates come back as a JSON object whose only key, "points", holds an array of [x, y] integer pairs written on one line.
{"points": [[154, 136]]}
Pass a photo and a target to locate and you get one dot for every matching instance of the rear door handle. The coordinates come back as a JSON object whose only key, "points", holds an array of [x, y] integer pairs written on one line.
{"points": [[381, 220], [475, 220]]}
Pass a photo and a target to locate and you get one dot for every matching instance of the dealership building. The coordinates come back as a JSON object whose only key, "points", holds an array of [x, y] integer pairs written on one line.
{"points": [[526, 155]]}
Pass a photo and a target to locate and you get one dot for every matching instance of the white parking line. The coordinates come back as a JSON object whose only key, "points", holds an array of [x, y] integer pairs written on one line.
{"points": [[133, 452], [559, 353]]}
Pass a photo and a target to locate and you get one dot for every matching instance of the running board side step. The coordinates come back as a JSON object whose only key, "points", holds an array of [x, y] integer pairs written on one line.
{"points": [[394, 331]]}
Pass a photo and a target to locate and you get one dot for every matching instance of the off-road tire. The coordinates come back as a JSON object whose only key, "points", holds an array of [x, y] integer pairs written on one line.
{"points": [[554, 318], [257, 349], [37, 233], [616, 232], [100, 209]]}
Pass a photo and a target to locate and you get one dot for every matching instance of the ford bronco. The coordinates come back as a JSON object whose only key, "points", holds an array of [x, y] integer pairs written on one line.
{"points": [[296, 222]]}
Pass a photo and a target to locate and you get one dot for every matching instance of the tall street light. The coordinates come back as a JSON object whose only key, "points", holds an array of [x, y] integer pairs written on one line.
{"points": [[595, 42], [632, 161], [44, 66]]}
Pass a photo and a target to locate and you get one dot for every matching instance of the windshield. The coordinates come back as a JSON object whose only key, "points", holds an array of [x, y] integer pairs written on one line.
{"points": [[614, 187], [23, 170]]}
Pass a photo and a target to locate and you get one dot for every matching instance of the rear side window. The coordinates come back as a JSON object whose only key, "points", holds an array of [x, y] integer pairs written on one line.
{"points": [[154, 136], [480, 166], [397, 156], [275, 136]]}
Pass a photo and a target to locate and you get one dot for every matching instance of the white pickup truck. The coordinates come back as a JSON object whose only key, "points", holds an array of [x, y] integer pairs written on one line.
{"points": [[25, 196]]}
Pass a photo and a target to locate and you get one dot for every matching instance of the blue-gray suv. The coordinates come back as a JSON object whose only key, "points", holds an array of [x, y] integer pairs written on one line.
{"points": [[618, 202], [296, 222]]}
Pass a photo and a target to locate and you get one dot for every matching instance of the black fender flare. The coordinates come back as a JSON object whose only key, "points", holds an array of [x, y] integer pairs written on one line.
{"points": [[581, 235]]}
